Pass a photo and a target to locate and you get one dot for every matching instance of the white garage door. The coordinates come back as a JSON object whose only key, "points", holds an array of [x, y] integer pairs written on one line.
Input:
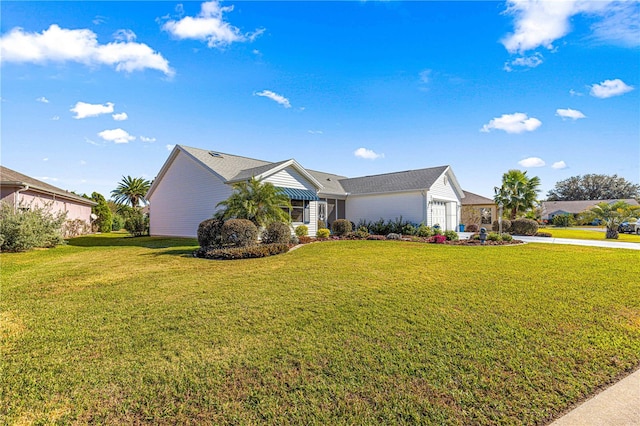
{"points": [[439, 209]]}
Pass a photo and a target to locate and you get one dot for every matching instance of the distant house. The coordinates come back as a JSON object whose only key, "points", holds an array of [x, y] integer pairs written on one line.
{"points": [[24, 192], [193, 181], [478, 210], [550, 209]]}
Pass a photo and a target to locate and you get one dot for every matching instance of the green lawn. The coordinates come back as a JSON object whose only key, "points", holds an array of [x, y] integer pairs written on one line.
{"points": [[588, 234], [134, 331]]}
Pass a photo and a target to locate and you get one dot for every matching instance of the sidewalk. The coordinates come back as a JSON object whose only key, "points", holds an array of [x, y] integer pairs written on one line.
{"points": [[551, 240], [618, 405]]}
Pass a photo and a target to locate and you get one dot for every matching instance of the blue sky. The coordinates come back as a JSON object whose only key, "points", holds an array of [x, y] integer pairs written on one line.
{"points": [[92, 91]]}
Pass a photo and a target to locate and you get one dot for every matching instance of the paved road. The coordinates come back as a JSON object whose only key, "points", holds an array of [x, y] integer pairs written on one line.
{"points": [[591, 243]]}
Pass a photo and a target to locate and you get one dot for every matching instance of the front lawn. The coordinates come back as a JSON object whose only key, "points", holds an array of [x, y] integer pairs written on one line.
{"points": [[588, 234], [129, 331]]}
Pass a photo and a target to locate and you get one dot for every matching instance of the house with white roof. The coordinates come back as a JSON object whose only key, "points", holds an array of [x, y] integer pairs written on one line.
{"points": [[193, 181]]}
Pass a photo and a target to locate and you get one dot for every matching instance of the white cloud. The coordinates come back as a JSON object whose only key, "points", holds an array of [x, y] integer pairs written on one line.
{"points": [[57, 44], [425, 76], [532, 162], [121, 116], [574, 93], [55, 118], [116, 136], [170, 147], [209, 25], [558, 165], [47, 178], [83, 163], [124, 35], [524, 62], [570, 113], [540, 23], [513, 123], [315, 132], [84, 110], [90, 142], [45, 159], [43, 100], [367, 154], [274, 97], [146, 139], [609, 88]]}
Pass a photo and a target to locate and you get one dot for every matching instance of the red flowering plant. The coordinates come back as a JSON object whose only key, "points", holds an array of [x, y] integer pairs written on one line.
{"points": [[437, 239]]}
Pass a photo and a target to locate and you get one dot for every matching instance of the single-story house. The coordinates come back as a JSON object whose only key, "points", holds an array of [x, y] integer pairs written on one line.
{"points": [[478, 210], [557, 208], [193, 181], [24, 192]]}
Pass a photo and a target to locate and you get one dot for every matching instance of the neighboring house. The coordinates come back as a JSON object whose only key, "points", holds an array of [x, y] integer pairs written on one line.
{"points": [[24, 192], [478, 210], [556, 208], [193, 181]]}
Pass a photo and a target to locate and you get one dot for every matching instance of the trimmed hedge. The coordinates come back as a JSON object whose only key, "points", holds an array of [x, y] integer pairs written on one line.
{"points": [[247, 252], [210, 233], [506, 225], [341, 227], [276, 232], [239, 233], [524, 227], [302, 230], [321, 234]]}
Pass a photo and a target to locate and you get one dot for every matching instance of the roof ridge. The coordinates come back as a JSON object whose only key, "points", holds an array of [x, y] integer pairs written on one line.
{"points": [[400, 172]]}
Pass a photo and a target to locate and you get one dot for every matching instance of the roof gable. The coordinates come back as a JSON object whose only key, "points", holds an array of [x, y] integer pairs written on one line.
{"points": [[409, 180], [470, 199]]}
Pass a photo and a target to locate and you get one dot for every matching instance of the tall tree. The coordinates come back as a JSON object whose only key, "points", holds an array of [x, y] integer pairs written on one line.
{"points": [[593, 187], [104, 221], [518, 192], [261, 203], [131, 191], [612, 215]]}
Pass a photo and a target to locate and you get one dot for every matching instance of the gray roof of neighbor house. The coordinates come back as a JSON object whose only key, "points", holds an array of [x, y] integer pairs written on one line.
{"points": [[577, 206], [393, 182], [473, 199], [12, 178]]}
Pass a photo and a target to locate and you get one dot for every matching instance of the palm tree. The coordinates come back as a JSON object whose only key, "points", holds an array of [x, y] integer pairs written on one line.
{"points": [[612, 215], [518, 192], [131, 191], [261, 203]]}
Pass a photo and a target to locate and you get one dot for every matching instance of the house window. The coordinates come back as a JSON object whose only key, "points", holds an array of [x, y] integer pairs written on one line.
{"points": [[485, 216], [300, 211]]}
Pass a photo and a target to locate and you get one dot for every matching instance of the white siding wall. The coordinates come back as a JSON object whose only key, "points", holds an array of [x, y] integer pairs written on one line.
{"points": [[186, 195], [289, 178], [444, 192], [409, 205]]}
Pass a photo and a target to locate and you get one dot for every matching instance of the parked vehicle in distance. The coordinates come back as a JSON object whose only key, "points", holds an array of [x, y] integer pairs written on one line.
{"points": [[629, 228]]}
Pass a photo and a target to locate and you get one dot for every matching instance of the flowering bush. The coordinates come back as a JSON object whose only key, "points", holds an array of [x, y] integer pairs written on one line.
{"points": [[437, 239]]}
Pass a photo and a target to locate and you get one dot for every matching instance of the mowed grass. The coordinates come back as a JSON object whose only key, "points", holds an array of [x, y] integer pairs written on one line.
{"points": [[588, 234], [135, 331]]}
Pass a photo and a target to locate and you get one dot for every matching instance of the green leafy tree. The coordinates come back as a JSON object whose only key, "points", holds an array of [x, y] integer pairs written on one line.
{"points": [[518, 192], [261, 203], [593, 187], [612, 215], [104, 221], [131, 191]]}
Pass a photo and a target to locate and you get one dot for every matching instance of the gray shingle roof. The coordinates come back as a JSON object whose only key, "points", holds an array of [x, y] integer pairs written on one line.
{"points": [[393, 182], [226, 165], [256, 171], [11, 177], [330, 182]]}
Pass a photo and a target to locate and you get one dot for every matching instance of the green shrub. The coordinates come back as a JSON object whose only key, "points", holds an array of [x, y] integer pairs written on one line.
{"points": [[104, 222], [409, 229], [451, 235], [302, 230], [424, 231], [506, 237], [322, 224], [524, 227], [543, 234], [362, 233], [239, 233], [494, 236], [341, 227], [28, 228], [506, 225], [75, 228], [563, 220], [117, 222], [137, 223], [322, 234], [210, 233], [277, 233], [245, 252]]}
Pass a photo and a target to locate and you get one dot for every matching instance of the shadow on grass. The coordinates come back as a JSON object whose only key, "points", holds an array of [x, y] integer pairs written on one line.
{"points": [[118, 239]]}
